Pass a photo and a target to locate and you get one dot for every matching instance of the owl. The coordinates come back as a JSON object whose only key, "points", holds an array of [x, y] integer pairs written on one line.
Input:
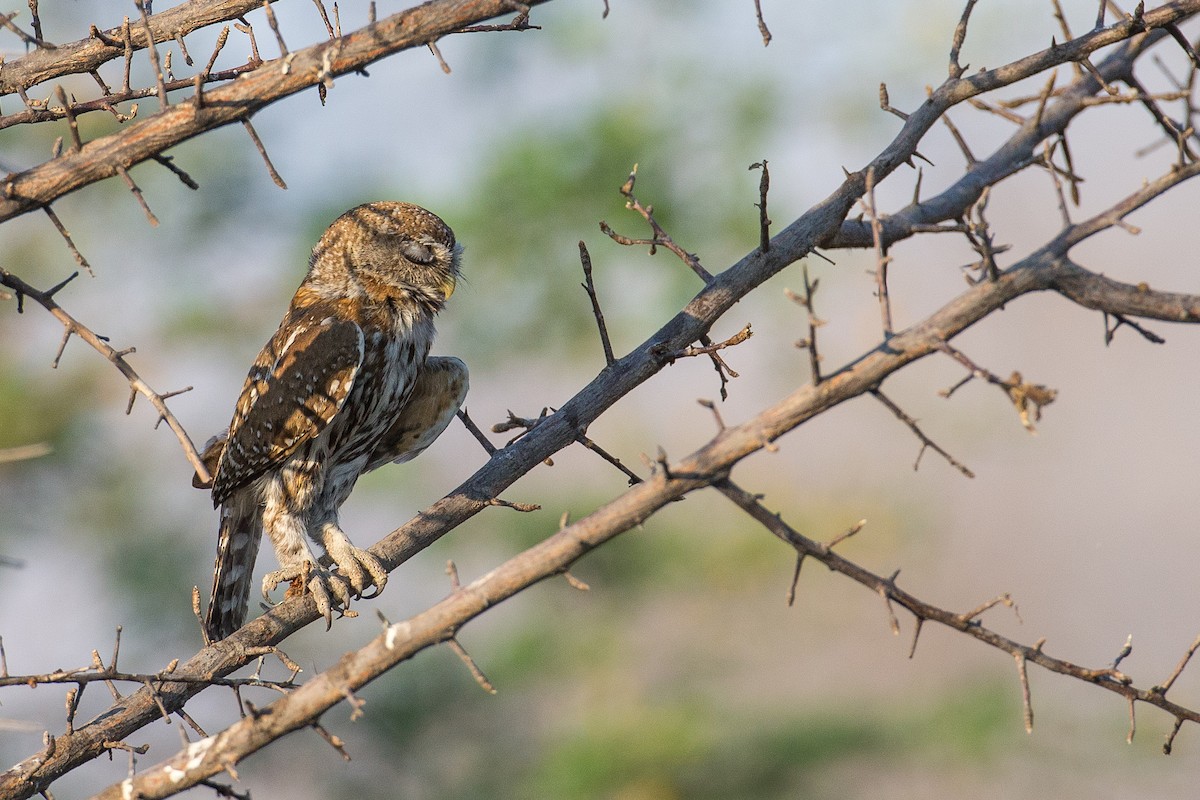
{"points": [[344, 386]]}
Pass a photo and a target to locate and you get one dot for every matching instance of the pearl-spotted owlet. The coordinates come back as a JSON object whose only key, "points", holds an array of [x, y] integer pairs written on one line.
{"points": [[344, 386]]}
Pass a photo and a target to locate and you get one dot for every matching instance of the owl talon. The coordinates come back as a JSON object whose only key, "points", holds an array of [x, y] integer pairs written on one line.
{"points": [[271, 580], [376, 570], [321, 596], [330, 592], [360, 568]]}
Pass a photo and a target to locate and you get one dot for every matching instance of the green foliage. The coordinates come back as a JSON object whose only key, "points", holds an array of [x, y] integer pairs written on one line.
{"points": [[548, 186], [43, 410], [690, 747]]}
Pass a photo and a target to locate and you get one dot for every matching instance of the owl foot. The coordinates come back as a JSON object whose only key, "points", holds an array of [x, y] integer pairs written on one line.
{"points": [[329, 591], [361, 568]]}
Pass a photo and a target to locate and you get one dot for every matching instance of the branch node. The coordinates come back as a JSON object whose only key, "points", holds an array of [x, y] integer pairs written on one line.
{"points": [[885, 591]]}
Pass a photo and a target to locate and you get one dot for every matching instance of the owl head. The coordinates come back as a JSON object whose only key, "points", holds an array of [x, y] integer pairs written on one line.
{"points": [[387, 251]]}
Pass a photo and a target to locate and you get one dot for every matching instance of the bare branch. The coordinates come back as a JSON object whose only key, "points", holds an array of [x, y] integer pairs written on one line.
{"points": [[1048, 268], [764, 222], [36, 39], [882, 259], [153, 51], [231, 102], [101, 46], [262, 151], [926, 442], [590, 288], [1026, 698], [660, 237], [98, 343], [762, 26], [960, 35], [62, 231]]}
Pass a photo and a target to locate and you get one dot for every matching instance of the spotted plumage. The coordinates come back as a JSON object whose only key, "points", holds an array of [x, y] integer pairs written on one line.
{"points": [[344, 386]]}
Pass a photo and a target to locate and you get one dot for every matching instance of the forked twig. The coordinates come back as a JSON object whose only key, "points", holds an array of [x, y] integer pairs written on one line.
{"points": [[926, 442], [660, 238]]}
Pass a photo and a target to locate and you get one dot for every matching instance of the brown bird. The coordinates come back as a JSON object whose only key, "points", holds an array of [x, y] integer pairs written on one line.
{"points": [[343, 387]]}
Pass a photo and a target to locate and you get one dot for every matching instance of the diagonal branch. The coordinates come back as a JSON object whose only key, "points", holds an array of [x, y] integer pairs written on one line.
{"points": [[1019, 151], [103, 46], [234, 102], [967, 623], [709, 465], [72, 327]]}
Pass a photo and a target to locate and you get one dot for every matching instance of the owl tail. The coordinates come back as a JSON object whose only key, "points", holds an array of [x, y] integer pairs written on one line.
{"points": [[237, 549]]}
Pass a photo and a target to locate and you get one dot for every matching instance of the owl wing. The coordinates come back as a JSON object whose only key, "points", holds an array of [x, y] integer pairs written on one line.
{"points": [[296, 387], [437, 394]]}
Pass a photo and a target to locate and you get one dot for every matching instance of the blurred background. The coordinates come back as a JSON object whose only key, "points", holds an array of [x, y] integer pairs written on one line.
{"points": [[681, 673]]}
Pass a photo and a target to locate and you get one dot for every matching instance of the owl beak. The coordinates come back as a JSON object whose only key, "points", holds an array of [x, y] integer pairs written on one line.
{"points": [[448, 287]]}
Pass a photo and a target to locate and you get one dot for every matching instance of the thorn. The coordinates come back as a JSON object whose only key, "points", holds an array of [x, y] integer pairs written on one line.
{"points": [[575, 583], [476, 672], [791, 594], [137, 193], [61, 347], [262, 151], [1026, 700], [56, 288], [916, 635]]}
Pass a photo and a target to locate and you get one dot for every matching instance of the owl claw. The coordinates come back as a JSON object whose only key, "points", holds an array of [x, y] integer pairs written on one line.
{"points": [[361, 568], [330, 592]]}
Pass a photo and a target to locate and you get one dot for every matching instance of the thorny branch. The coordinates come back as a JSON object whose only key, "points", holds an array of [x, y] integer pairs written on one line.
{"points": [[660, 238], [256, 88], [809, 343], [926, 442], [1040, 271], [1049, 268], [72, 327], [1025, 396]]}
